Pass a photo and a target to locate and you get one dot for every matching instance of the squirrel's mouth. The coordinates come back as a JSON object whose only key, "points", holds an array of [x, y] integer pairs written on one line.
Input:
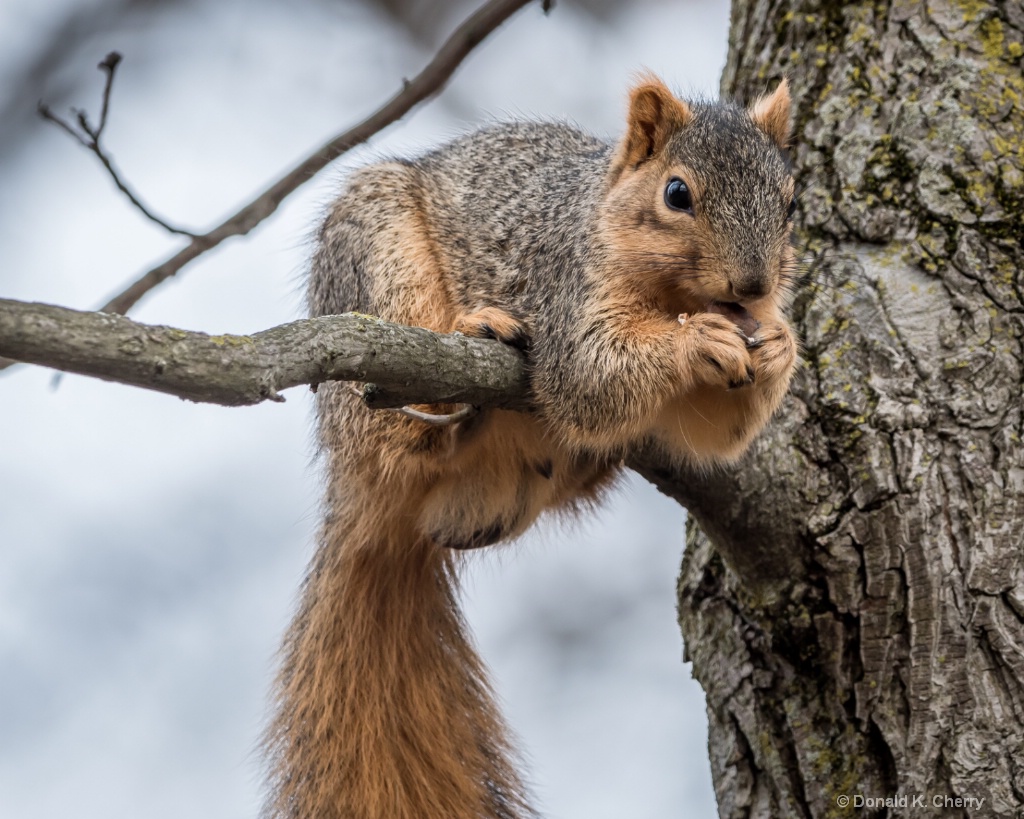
{"points": [[738, 314]]}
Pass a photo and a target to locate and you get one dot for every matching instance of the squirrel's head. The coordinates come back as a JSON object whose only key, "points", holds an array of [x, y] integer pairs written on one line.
{"points": [[699, 196]]}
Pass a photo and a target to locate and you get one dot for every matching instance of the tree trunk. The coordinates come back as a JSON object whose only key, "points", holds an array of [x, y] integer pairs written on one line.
{"points": [[852, 595]]}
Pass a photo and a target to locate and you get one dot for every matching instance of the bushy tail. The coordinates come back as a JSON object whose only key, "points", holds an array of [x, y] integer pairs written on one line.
{"points": [[384, 709]]}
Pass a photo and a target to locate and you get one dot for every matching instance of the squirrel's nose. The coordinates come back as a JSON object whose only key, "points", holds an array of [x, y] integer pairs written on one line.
{"points": [[750, 288]]}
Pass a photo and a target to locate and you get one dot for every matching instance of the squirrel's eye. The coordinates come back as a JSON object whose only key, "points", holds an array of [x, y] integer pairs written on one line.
{"points": [[677, 195], [792, 208]]}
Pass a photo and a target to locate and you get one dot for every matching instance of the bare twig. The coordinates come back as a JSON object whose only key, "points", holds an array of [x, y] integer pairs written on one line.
{"points": [[406, 365], [46, 113], [423, 86], [108, 66], [85, 129]]}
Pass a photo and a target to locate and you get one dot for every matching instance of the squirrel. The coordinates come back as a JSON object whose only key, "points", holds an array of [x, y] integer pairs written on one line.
{"points": [[646, 282]]}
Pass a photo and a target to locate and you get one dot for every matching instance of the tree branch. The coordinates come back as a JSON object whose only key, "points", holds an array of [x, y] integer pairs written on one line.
{"points": [[400, 365]]}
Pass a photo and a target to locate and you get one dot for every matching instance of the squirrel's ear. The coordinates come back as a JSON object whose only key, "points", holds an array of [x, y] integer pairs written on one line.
{"points": [[772, 114], [654, 115]]}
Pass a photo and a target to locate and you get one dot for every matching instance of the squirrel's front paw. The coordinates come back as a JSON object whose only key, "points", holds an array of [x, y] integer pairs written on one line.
{"points": [[714, 351], [492, 322], [775, 353]]}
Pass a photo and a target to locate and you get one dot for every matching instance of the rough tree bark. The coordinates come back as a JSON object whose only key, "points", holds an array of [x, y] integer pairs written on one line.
{"points": [[852, 596]]}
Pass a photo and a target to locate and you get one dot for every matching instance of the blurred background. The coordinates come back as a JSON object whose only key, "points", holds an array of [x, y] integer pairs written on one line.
{"points": [[150, 549]]}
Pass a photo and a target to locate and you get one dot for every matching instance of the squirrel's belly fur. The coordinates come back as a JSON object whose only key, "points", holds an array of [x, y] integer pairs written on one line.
{"points": [[523, 232]]}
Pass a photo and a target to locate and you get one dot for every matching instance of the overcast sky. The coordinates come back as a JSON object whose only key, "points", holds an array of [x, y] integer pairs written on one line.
{"points": [[151, 550]]}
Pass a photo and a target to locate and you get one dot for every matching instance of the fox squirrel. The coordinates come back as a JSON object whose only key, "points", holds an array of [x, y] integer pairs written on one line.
{"points": [[646, 280]]}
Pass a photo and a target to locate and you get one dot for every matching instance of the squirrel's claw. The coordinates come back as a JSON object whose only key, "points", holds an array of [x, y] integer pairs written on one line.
{"points": [[467, 411], [437, 420], [735, 385]]}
